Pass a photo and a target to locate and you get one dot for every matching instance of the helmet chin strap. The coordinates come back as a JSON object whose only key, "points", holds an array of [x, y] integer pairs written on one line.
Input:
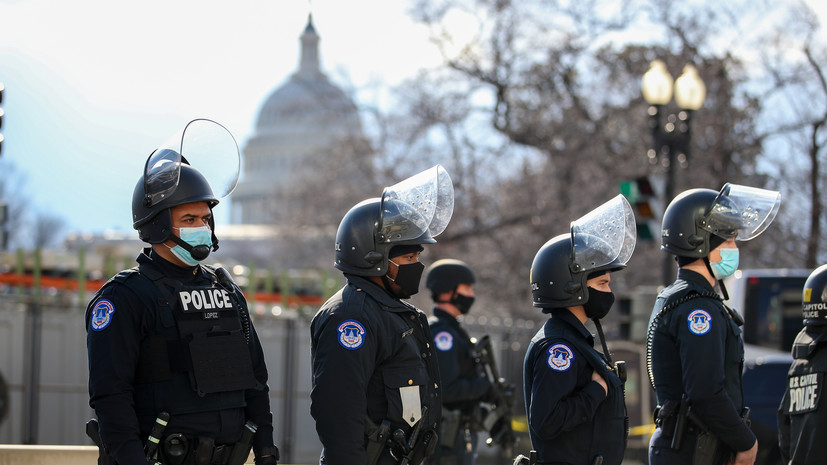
{"points": [[720, 281], [603, 340], [199, 252]]}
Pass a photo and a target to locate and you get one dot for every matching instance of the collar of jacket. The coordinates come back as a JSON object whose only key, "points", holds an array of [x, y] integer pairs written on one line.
{"points": [[563, 314], [694, 278], [169, 269], [442, 315], [379, 294]]}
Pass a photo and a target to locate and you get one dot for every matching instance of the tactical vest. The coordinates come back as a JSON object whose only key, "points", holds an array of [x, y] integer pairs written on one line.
{"points": [[195, 357], [805, 381]]}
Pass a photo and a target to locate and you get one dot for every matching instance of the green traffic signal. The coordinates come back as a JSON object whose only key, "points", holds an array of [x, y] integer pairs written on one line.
{"points": [[641, 195]]}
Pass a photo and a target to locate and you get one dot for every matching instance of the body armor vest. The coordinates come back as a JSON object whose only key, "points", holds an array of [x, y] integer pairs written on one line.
{"points": [[195, 357], [802, 408]]}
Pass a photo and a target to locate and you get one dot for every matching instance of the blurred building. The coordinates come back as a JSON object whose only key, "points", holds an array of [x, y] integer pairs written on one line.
{"points": [[304, 123]]}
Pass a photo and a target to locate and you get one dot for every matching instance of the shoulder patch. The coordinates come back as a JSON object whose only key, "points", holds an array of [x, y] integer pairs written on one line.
{"points": [[351, 334], [101, 315], [444, 340], [700, 321], [560, 357]]}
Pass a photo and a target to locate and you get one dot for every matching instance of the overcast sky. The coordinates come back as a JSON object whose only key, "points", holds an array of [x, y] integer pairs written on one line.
{"points": [[93, 86]]}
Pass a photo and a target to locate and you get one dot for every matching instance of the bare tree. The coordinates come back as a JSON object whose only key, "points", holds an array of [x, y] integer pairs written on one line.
{"points": [[12, 188], [551, 80], [47, 230], [795, 64]]}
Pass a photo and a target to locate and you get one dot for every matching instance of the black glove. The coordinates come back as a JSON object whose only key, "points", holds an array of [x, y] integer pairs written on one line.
{"points": [[267, 456]]}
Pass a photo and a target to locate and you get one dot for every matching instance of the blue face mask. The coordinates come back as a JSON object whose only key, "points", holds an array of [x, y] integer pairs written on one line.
{"points": [[194, 237], [727, 265]]}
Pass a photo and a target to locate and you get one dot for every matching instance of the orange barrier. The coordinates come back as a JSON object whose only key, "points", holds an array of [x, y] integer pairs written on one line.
{"points": [[71, 284]]}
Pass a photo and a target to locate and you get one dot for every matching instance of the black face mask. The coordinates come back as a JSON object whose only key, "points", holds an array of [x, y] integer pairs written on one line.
{"points": [[407, 278], [599, 303], [462, 302]]}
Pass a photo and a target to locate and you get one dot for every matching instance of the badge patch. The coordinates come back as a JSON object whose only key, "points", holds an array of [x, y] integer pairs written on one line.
{"points": [[351, 334], [101, 315], [204, 300], [444, 340], [805, 391], [560, 357], [700, 322]]}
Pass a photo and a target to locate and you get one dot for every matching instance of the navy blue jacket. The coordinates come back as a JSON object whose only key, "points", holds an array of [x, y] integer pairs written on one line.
{"points": [[367, 346], [697, 350], [463, 383], [571, 419]]}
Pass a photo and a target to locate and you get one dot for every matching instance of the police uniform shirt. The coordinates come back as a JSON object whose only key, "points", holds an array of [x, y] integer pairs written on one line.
{"points": [[697, 350], [372, 356], [462, 381], [571, 418], [117, 323], [802, 420]]}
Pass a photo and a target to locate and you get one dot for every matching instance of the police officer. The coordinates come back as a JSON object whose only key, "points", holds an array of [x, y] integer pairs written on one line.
{"points": [[451, 283], [574, 399], [802, 416], [376, 391], [694, 349], [173, 336]]}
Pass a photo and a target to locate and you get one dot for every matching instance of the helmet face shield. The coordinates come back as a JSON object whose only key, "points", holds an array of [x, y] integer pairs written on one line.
{"points": [[417, 205], [400, 222], [202, 143], [741, 212], [604, 236], [161, 175]]}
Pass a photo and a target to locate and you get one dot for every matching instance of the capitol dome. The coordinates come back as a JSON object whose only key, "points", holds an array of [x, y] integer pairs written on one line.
{"points": [[304, 120], [308, 101]]}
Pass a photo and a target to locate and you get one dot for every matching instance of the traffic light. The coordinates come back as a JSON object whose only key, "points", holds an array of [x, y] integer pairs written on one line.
{"points": [[641, 196]]}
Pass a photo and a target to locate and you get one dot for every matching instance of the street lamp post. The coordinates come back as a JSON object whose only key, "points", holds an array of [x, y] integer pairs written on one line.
{"points": [[671, 132]]}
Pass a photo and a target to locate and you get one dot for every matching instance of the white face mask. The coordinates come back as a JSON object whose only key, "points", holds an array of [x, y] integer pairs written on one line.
{"points": [[200, 236]]}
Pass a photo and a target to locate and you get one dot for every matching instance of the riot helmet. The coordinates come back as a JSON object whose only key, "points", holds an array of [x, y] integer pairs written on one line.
{"points": [[170, 180], [814, 297], [411, 212], [694, 218], [446, 274], [601, 241]]}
